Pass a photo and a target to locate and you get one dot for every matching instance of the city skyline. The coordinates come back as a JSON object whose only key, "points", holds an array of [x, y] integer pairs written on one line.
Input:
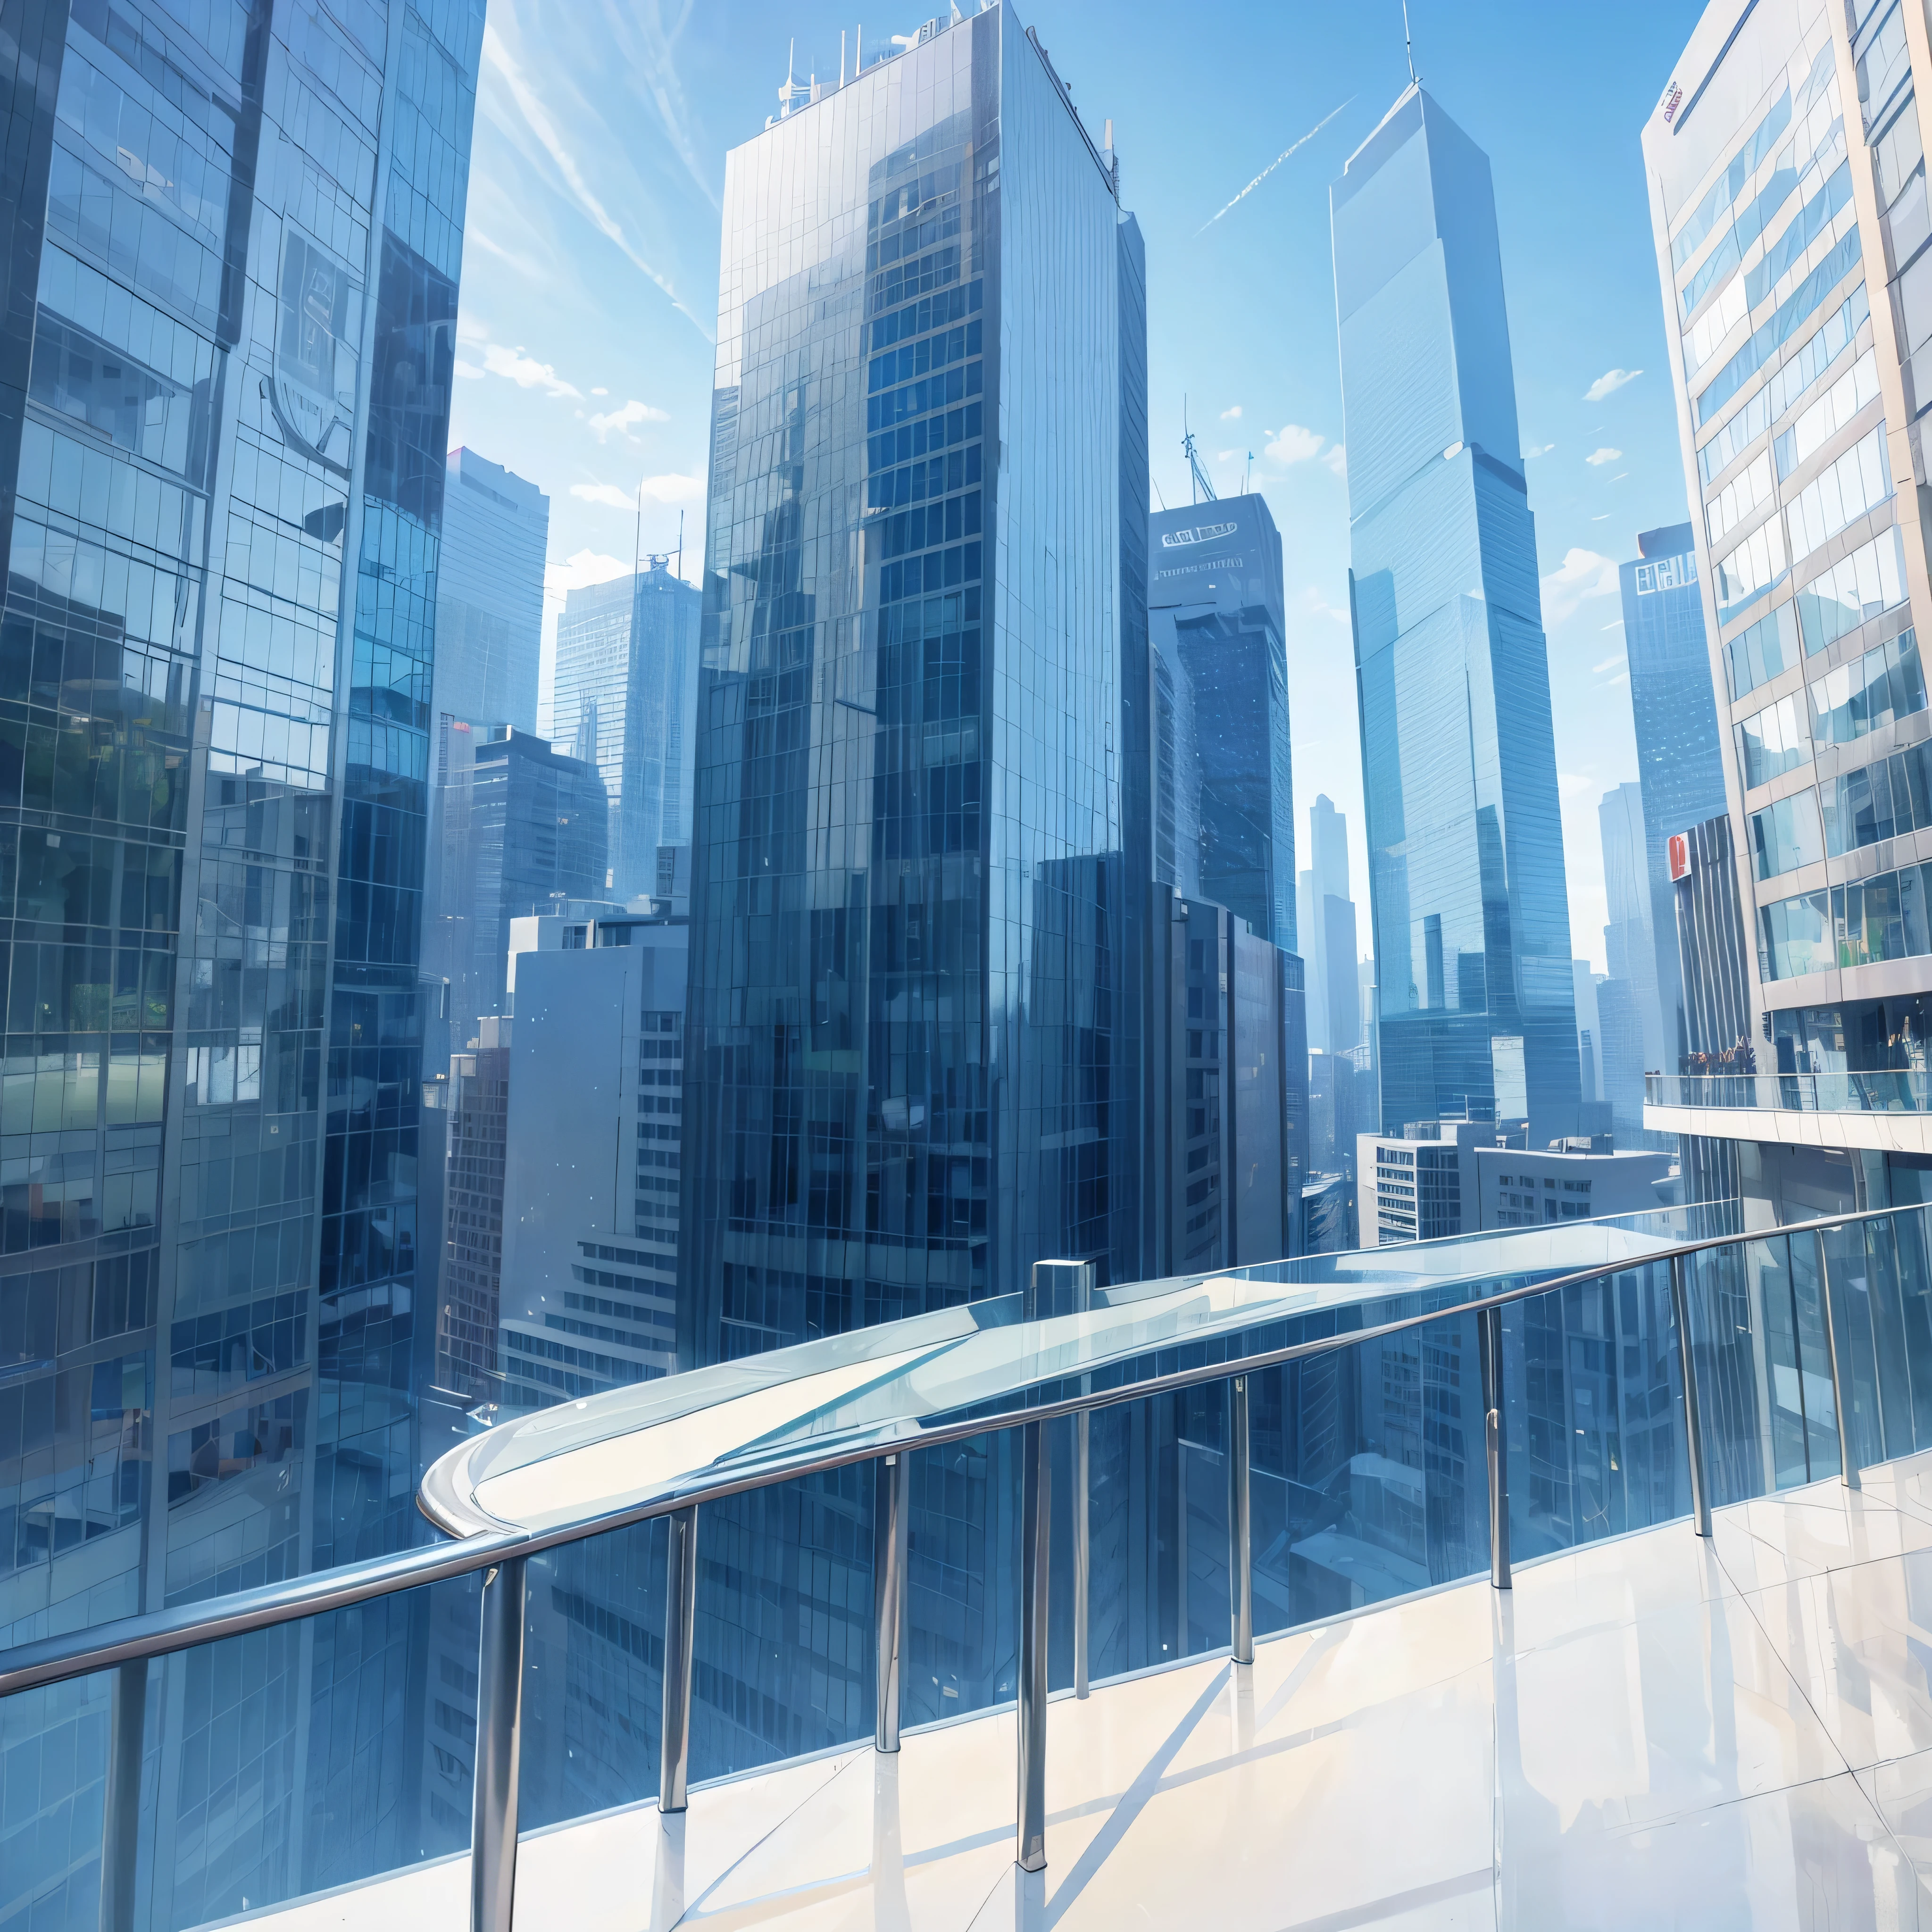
{"points": [[1584, 303]]}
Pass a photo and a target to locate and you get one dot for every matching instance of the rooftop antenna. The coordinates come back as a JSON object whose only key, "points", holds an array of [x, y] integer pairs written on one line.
{"points": [[680, 542], [1202, 487], [841, 56], [1407, 45], [637, 543]]}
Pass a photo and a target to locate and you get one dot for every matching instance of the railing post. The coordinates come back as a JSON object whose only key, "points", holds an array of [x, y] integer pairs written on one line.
{"points": [[1496, 1445], [1240, 1543], [1030, 1846], [891, 1487], [120, 1819], [680, 1631], [499, 1704], [1848, 1468], [1694, 1411], [1083, 1548]]}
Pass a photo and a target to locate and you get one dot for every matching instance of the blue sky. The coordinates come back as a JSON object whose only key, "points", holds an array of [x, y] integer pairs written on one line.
{"points": [[590, 279]]}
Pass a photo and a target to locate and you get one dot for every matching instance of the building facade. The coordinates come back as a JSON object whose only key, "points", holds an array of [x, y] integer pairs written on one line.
{"points": [[1786, 181], [1679, 753], [1326, 931], [625, 699], [517, 823], [1467, 886], [489, 594], [230, 325], [1225, 796], [1630, 1036], [595, 1124], [477, 1140]]}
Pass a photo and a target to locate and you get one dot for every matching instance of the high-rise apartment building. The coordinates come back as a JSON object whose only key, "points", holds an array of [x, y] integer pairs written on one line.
{"points": [[1787, 195], [235, 240], [1679, 758], [1465, 853], [1224, 824], [625, 699], [489, 594], [1326, 929]]}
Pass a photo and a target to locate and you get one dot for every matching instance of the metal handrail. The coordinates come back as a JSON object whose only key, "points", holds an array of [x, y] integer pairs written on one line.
{"points": [[59, 1659], [503, 1557]]}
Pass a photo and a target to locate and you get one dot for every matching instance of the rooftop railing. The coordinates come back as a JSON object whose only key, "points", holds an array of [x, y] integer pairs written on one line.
{"points": [[1321, 1444], [1890, 1093]]}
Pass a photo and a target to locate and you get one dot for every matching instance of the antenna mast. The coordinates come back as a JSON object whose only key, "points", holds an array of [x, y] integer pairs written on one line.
{"points": [[1202, 487], [1407, 45]]}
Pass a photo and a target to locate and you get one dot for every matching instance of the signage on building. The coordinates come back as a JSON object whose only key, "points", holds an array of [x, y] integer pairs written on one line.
{"points": [[1680, 855], [1673, 99], [1201, 533]]}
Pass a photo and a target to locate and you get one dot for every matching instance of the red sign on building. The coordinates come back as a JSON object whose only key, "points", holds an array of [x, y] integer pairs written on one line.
{"points": [[1680, 855]]}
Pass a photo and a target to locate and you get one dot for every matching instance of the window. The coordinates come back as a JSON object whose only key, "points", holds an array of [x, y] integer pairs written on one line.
{"points": [[1794, 936], [1885, 684], [1775, 740], [1858, 587], [1757, 655], [1787, 835], [1859, 480]]}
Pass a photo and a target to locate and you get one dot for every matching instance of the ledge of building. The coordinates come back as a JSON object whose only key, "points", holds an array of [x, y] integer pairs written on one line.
{"points": [[1887, 1132]]}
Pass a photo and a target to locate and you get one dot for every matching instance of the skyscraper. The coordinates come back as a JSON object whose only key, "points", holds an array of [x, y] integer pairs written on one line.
{"points": [[908, 905], [1789, 211], [1216, 625], [234, 330], [625, 699], [517, 824], [1327, 931], [1466, 852], [1679, 759], [1632, 1037], [489, 594]]}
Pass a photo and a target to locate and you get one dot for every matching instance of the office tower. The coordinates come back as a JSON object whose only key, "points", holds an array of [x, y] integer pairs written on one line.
{"points": [[1631, 1037], [910, 900], [1326, 929], [594, 1125], [1216, 626], [477, 1138], [517, 824], [1713, 942], [225, 492], [625, 699], [1788, 209], [1466, 881], [489, 594], [1584, 982], [1680, 763]]}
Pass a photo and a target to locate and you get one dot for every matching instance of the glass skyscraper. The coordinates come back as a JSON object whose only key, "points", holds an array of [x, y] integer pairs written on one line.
{"points": [[624, 698], [1224, 807], [1466, 850], [909, 904], [490, 588], [234, 238], [1679, 758]]}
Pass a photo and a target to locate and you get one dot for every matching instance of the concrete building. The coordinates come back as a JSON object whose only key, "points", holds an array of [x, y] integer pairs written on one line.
{"points": [[591, 1177], [1440, 1178]]}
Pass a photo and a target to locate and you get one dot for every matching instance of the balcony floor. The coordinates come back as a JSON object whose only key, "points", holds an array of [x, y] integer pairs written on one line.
{"points": [[1649, 1732]]}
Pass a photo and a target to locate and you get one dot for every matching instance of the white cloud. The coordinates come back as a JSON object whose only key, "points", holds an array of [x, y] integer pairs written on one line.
{"points": [[603, 493], [605, 423], [1537, 449], [1317, 605], [1295, 444], [469, 372], [1583, 574], [1615, 624], [1597, 457], [525, 371], [673, 489], [1574, 784], [1337, 460], [469, 329], [1225, 455], [586, 567], [600, 392], [1233, 415], [1615, 663], [1609, 382]]}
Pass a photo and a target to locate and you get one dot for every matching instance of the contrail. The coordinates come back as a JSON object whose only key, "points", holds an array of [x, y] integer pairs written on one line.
{"points": [[1271, 166]]}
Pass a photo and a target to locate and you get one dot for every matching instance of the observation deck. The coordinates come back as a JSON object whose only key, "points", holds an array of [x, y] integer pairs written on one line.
{"points": [[1575, 1576]]}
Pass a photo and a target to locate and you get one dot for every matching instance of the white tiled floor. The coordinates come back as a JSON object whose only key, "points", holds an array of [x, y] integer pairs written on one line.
{"points": [[1654, 1732]]}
